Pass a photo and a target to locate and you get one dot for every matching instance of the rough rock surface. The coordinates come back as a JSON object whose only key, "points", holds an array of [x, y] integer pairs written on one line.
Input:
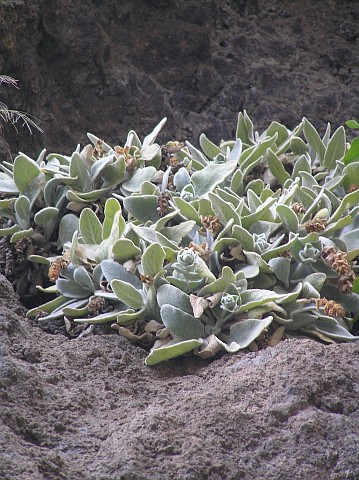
{"points": [[109, 66], [88, 409]]}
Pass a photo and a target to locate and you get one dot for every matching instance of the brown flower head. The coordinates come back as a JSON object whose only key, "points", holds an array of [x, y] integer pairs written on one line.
{"points": [[202, 250], [352, 188], [316, 225], [298, 207], [211, 223], [163, 204], [55, 268], [130, 161], [98, 150], [96, 305], [336, 259], [330, 307], [22, 244], [148, 279]]}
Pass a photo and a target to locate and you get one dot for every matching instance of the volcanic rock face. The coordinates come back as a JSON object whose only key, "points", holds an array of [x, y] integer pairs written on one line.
{"points": [[88, 409], [109, 66]]}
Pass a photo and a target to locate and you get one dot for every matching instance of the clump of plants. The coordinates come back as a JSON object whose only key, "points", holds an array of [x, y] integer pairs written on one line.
{"points": [[184, 249]]}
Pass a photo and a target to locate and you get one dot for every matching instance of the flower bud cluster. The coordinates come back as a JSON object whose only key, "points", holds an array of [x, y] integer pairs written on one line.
{"points": [[330, 307], [211, 223], [337, 260], [55, 268]]}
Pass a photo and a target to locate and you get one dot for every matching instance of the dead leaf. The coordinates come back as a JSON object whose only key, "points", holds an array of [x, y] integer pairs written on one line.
{"points": [[214, 299], [153, 326], [209, 348], [276, 337], [199, 304]]}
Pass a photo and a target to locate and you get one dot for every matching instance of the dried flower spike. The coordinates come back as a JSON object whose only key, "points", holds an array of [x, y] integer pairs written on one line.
{"points": [[96, 305], [130, 161], [352, 188], [22, 244], [56, 267], [298, 207], [148, 279], [98, 150], [170, 148], [201, 249], [330, 307], [316, 225], [162, 202], [211, 223], [337, 260]]}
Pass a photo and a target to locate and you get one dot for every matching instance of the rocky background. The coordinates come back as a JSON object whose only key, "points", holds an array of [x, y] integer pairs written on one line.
{"points": [[111, 66], [88, 408]]}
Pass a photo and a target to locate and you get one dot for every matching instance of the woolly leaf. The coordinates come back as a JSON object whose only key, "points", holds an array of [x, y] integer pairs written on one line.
{"points": [[186, 210], [101, 318], [244, 129], [173, 350], [112, 206], [79, 169], [141, 175], [256, 297], [142, 207], [169, 294], [254, 258], [262, 213], [336, 148], [352, 154], [223, 210], [22, 211], [69, 224], [39, 259], [26, 171], [124, 249], [209, 148], [209, 177], [152, 259], [7, 184], [220, 284], [181, 324], [71, 289], [45, 215], [281, 269], [90, 227], [243, 333], [348, 201], [150, 138], [331, 330], [113, 270], [276, 167], [313, 139], [127, 294], [178, 232], [83, 279], [288, 218]]}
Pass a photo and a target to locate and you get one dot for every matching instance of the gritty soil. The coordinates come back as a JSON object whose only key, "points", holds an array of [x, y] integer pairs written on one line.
{"points": [[89, 409]]}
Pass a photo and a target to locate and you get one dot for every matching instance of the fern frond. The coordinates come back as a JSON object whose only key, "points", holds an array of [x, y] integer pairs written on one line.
{"points": [[10, 80], [15, 116]]}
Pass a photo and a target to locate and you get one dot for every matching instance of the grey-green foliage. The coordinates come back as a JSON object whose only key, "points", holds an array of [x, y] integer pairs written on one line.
{"points": [[43, 198], [207, 249]]}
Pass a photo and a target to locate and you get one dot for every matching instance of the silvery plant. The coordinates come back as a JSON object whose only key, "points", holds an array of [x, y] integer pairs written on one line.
{"points": [[206, 249]]}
